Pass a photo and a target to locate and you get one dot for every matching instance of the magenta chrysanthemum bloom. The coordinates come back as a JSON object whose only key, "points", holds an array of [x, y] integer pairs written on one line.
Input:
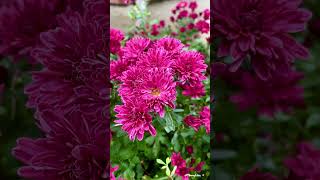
{"points": [[190, 67], [134, 48], [116, 36], [195, 91], [74, 148], [193, 122], [155, 58], [177, 160], [21, 23], [131, 83], [158, 89], [306, 164], [205, 118], [117, 67], [135, 119], [172, 45], [254, 174], [75, 72], [259, 29], [279, 94]]}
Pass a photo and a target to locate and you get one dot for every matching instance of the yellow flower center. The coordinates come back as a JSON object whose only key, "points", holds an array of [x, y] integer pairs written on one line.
{"points": [[155, 92]]}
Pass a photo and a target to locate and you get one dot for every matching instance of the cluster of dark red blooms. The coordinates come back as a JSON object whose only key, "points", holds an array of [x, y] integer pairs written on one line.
{"points": [[69, 38]]}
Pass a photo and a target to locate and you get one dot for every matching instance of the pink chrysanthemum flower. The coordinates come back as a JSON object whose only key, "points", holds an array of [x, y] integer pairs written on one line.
{"points": [[190, 67], [116, 36], [205, 117], [172, 45], [117, 67], [135, 47], [159, 89], [194, 91], [155, 58], [193, 122], [131, 82], [135, 119]]}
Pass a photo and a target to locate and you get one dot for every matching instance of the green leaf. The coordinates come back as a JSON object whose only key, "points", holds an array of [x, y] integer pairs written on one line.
{"points": [[168, 171], [178, 110], [159, 161], [169, 122], [168, 160]]}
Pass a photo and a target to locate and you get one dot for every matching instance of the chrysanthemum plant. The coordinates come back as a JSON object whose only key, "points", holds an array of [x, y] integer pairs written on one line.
{"points": [[159, 103]]}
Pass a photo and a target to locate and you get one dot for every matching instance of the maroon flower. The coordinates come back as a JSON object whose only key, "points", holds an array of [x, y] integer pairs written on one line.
{"points": [[279, 94], [259, 29], [203, 26], [193, 5], [74, 148], [189, 149], [306, 164], [254, 174], [75, 72], [193, 122], [21, 23]]}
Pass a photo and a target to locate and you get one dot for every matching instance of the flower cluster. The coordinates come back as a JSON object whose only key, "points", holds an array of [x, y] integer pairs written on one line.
{"points": [[75, 67], [74, 148], [182, 168], [256, 34], [202, 120], [185, 13], [148, 73], [259, 31], [70, 93]]}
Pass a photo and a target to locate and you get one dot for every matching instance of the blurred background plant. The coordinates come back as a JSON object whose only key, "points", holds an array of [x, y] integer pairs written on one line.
{"points": [[245, 140]]}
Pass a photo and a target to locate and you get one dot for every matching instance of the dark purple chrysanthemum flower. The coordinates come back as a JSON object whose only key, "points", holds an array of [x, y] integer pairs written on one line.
{"points": [[254, 174], [74, 148], [306, 164], [75, 73], [21, 23], [259, 29], [279, 94]]}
